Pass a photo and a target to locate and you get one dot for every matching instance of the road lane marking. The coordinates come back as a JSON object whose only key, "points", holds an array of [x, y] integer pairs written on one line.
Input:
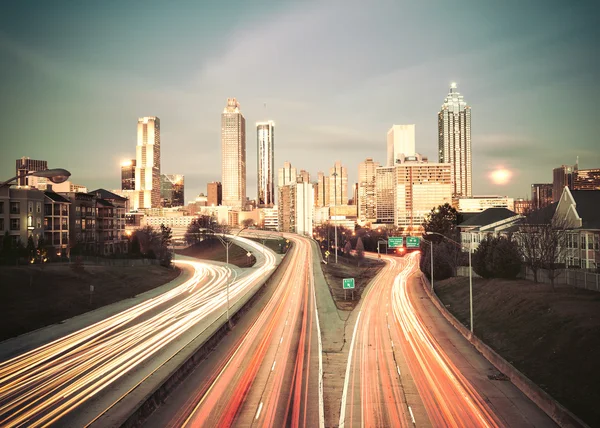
{"points": [[347, 378], [412, 416], [281, 340], [398, 368], [260, 408], [273, 368]]}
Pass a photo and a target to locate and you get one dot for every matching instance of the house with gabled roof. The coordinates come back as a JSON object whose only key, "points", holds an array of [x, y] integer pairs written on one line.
{"points": [[493, 221]]}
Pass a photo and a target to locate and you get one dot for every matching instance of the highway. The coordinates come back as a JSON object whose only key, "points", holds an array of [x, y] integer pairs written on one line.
{"points": [[74, 379], [268, 371], [407, 368]]}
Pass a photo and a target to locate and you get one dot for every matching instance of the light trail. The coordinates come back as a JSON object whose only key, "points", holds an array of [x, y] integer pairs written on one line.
{"points": [[40, 386], [264, 380], [374, 387]]}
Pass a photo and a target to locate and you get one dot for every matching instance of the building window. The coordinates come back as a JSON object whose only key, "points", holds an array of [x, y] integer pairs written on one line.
{"points": [[14, 208], [38, 207], [1, 224], [38, 222], [30, 207], [1, 207], [15, 224]]}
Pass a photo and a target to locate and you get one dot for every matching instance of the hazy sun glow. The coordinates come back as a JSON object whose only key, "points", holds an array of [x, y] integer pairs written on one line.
{"points": [[501, 176]]}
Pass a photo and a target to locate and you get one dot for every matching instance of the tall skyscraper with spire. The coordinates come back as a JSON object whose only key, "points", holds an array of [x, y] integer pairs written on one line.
{"points": [[265, 139], [147, 165], [454, 144], [233, 152]]}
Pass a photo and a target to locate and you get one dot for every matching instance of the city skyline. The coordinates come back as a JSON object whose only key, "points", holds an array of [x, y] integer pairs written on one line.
{"points": [[51, 77]]}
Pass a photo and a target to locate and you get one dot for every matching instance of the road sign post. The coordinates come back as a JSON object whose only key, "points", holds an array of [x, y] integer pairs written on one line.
{"points": [[348, 284], [395, 241], [413, 242]]}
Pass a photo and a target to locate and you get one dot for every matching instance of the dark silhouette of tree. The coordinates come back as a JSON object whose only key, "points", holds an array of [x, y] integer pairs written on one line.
{"points": [[31, 251]]}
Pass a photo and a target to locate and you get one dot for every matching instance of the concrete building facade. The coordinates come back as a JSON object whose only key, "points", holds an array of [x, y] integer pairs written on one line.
{"points": [[233, 153], [147, 166]]}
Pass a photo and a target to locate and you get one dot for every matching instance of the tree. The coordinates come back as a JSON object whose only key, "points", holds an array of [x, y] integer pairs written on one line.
{"points": [[166, 236], [360, 250], [497, 257], [30, 249], [248, 222], [443, 220], [347, 248], [135, 246], [542, 239], [506, 260], [194, 233], [42, 251]]}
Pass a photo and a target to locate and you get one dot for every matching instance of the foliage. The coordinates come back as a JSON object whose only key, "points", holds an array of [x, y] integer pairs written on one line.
{"points": [[77, 266], [443, 220], [248, 222], [31, 253], [543, 244], [348, 247], [497, 257], [135, 249]]}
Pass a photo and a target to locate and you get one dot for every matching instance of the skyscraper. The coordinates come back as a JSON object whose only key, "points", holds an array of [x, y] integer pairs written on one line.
{"points": [[128, 175], [286, 175], [172, 190], [454, 143], [400, 141], [265, 139], [214, 194], [562, 177], [541, 195], [322, 190], [147, 165], [233, 149], [25, 165], [367, 200], [338, 185]]}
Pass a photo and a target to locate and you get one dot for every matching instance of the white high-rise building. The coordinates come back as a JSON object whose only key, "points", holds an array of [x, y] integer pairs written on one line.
{"points": [[367, 200], [400, 141], [407, 192], [295, 208], [233, 149], [321, 190], [147, 165], [265, 139], [338, 185], [286, 175], [454, 144]]}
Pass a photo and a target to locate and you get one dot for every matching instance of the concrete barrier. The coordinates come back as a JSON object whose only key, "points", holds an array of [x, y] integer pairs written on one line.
{"points": [[556, 411], [136, 406]]}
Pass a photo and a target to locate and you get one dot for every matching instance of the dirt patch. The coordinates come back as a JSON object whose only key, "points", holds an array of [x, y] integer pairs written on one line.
{"points": [[553, 337], [213, 249], [334, 274], [32, 297]]}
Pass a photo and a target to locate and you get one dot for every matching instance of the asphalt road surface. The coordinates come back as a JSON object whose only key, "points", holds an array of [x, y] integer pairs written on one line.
{"points": [[408, 367], [268, 370], [72, 380]]}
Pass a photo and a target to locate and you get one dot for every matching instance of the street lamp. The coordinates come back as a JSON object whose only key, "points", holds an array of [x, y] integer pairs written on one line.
{"points": [[226, 244], [335, 174], [55, 175], [470, 270]]}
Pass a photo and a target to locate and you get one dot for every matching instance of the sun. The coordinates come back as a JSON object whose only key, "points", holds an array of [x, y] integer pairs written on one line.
{"points": [[501, 176]]}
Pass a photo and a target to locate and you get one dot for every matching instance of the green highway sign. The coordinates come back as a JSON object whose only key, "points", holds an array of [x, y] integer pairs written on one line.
{"points": [[413, 242], [395, 241], [348, 283]]}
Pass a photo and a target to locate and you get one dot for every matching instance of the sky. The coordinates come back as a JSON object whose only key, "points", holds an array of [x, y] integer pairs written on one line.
{"points": [[333, 75]]}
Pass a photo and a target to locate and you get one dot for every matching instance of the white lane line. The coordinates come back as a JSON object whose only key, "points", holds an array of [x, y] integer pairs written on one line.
{"points": [[281, 340], [273, 368], [411, 415], [347, 378], [398, 368], [260, 408], [392, 343], [321, 400]]}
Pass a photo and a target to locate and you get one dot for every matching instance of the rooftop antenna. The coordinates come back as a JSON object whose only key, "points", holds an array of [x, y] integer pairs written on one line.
{"points": [[577, 163]]}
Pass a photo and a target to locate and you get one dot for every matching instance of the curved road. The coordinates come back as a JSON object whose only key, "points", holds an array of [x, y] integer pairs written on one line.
{"points": [[271, 375], [407, 368], [51, 383]]}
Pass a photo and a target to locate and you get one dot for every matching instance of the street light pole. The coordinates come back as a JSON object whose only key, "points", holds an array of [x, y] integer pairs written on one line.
{"points": [[334, 213], [471, 279], [470, 270], [55, 175]]}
